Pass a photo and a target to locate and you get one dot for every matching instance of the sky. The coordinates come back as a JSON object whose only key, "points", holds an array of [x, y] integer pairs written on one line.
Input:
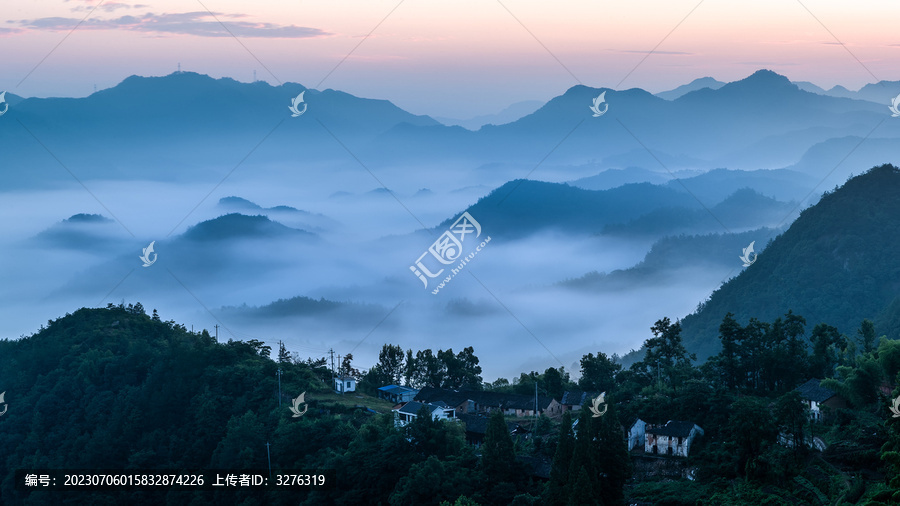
{"points": [[452, 59]]}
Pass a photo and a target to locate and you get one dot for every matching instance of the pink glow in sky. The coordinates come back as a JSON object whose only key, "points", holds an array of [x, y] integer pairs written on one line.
{"points": [[455, 59]]}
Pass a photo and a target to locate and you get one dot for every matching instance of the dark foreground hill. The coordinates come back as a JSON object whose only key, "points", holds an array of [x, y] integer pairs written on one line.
{"points": [[117, 389], [837, 263]]}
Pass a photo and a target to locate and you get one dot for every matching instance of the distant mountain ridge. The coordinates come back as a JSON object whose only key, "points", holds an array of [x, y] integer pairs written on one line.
{"points": [[881, 92], [523, 207], [186, 125], [710, 187], [82, 231], [300, 307], [507, 115], [219, 249], [186, 119], [743, 209], [696, 84], [711, 255], [235, 225], [701, 128], [311, 222]]}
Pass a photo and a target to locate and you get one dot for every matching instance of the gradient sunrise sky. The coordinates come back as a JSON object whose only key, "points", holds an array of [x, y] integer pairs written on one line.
{"points": [[455, 59]]}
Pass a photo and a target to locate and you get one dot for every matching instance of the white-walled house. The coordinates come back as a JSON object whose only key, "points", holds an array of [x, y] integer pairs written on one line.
{"points": [[408, 411], [636, 433], [344, 384], [674, 438]]}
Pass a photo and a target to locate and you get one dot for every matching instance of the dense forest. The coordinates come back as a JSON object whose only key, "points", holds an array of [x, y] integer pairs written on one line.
{"points": [[836, 262], [115, 388]]}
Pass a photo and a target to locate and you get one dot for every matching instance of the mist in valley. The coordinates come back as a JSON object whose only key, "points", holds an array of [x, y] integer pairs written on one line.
{"points": [[303, 230], [355, 250]]}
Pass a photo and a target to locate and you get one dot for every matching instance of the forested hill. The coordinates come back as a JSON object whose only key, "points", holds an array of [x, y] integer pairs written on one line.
{"points": [[838, 263], [116, 388]]}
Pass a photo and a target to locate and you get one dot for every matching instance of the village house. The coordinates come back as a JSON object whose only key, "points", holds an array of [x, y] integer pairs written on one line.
{"points": [[459, 401], [816, 398], [674, 438], [485, 402], [408, 411], [524, 406], [344, 384], [397, 394], [635, 432], [574, 400]]}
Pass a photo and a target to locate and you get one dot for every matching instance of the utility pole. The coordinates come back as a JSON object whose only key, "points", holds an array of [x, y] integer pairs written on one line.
{"points": [[534, 432], [279, 386], [340, 374], [269, 458], [331, 351], [254, 76], [217, 332]]}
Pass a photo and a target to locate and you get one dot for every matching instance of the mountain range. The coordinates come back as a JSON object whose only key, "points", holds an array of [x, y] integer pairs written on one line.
{"points": [[507, 115], [880, 92], [185, 125]]}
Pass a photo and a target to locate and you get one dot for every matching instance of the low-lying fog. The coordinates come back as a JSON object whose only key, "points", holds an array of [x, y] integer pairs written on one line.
{"points": [[507, 302]]}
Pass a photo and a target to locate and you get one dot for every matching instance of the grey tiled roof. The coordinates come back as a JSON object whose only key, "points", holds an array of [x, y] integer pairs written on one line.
{"points": [[673, 428], [577, 397], [483, 398], [813, 392]]}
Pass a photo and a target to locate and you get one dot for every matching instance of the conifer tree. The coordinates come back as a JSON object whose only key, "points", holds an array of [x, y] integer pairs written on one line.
{"points": [[557, 492], [613, 463], [498, 453]]}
